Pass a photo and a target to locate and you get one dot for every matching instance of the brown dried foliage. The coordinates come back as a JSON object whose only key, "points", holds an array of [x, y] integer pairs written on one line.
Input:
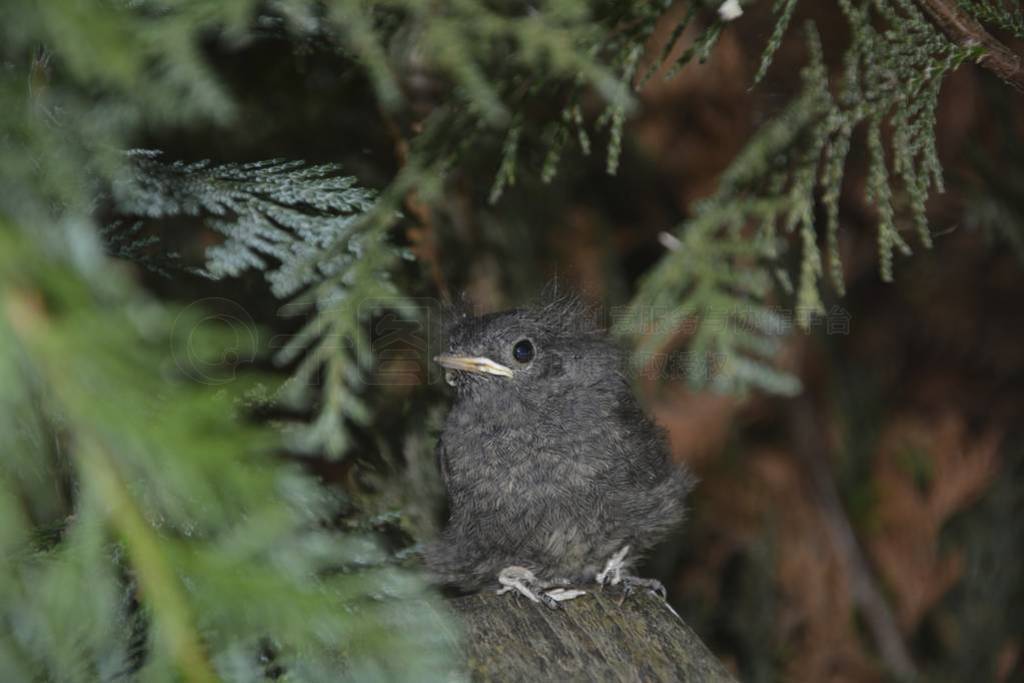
{"points": [[926, 471]]}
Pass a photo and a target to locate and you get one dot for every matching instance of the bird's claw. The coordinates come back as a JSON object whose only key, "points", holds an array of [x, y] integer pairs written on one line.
{"points": [[631, 583], [522, 581], [614, 573]]}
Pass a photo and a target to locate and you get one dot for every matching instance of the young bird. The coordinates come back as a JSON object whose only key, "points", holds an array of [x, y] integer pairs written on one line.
{"points": [[555, 475]]}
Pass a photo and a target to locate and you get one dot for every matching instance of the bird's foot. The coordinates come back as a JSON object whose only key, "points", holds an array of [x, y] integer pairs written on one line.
{"points": [[522, 581], [614, 573], [631, 583]]}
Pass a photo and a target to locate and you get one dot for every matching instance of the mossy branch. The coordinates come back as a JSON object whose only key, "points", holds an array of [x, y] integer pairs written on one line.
{"points": [[961, 28]]}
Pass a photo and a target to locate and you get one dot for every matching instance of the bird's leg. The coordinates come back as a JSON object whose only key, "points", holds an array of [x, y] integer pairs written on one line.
{"points": [[523, 582], [614, 573], [611, 575]]}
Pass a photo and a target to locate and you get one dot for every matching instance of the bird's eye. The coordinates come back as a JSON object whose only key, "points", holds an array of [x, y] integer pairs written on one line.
{"points": [[523, 351]]}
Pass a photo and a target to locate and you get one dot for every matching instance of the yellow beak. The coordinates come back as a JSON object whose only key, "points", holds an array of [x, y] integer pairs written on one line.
{"points": [[477, 364]]}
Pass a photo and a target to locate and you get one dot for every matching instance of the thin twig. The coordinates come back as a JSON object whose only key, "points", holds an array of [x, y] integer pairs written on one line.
{"points": [[424, 237], [812, 448], [964, 30]]}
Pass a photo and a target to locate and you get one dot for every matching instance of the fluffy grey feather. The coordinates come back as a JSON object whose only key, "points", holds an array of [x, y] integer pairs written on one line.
{"points": [[555, 468]]}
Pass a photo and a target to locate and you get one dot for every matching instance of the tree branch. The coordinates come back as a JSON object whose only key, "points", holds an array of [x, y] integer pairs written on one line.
{"points": [[964, 30], [592, 638]]}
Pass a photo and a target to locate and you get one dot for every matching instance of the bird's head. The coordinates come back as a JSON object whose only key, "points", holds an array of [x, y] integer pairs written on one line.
{"points": [[552, 348]]}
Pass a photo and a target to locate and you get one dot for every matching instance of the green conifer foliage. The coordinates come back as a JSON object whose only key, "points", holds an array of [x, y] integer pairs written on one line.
{"points": [[724, 266], [151, 530], [1004, 14]]}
